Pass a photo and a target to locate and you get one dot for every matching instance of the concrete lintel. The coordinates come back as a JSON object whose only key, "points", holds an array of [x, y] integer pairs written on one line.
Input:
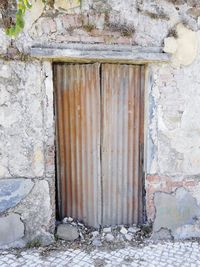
{"points": [[98, 52]]}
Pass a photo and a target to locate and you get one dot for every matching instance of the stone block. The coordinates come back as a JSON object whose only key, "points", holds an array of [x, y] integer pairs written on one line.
{"points": [[36, 211], [11, 229], [67, 232], [12, 191]]}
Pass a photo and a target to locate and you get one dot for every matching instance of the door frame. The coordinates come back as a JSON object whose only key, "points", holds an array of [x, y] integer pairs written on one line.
{"points": [[116, 53]]}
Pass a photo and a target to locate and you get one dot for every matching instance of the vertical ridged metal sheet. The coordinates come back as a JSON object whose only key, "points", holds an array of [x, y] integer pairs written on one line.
{"points": [[77, 93], [122, 139]]}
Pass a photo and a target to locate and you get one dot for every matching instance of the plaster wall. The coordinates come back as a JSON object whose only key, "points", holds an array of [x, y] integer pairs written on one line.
{"points": [[27, 171]]}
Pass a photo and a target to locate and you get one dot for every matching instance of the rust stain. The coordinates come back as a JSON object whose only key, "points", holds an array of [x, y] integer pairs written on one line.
{"points": [[100, 119], [122, 138], [78, 129]]}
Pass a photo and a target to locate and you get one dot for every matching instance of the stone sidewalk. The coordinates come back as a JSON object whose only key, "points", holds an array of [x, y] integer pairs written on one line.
{"points": [[169, 254]]}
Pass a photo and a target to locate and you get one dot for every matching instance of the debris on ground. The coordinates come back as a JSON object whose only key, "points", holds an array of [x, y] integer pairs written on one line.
{"points": [[74, 235], [111, 237]]}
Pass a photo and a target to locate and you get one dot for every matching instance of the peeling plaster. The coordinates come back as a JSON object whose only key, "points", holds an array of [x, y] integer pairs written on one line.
{"points": [[63, 4], [184, 49], [34, 13], [175, 210]]}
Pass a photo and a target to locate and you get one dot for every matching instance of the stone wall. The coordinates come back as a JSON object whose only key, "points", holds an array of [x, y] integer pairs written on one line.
{"points": [[26, 151], [27, 188], [174, 151]]}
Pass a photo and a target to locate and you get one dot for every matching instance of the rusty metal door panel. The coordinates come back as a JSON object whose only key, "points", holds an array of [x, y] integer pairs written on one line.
{"points": [[78, 145], [122, 139]]}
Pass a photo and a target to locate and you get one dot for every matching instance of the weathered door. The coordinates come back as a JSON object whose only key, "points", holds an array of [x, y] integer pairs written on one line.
{"points": [[78, 145], [99, 114]]}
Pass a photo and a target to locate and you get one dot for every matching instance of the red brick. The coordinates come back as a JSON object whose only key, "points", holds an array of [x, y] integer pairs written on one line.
{"points": [[90, 39], [49, 26], [96, 32], [190, 183], [68, 38], [74, 39], [45, 26], [108, 39], [153, 178], [176, 184], [71, 21], [150, 189], [80, 32], [52, 25], [124, 40]]}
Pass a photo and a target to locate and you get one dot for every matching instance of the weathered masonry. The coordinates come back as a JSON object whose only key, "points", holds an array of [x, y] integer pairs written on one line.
{"points": [[99, 118]]}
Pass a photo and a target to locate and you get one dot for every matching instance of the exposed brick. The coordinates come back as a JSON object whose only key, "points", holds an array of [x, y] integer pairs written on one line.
{"points": [[176, 184], [71, 21], [45, 26], [153, 178], [90, 39], [108, 39], [74, 39], [67, 38], [80, 32], [49, 26], [98, 20], [108, 33], [190, 183], [124, 40], [59, 24], [96, 32], [84, 19], [52, 25]]}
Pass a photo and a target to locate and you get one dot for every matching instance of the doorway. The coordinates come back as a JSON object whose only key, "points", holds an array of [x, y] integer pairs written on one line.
{"points": [[100, 136]]}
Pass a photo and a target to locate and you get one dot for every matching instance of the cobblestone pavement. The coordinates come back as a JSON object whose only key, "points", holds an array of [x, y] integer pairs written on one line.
{"points": [[160, 254]]}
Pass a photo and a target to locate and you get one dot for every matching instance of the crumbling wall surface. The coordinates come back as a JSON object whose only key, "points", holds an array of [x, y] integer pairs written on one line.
{"points": [[27, 189], [26, 152], [144, 23], [173, 171]]}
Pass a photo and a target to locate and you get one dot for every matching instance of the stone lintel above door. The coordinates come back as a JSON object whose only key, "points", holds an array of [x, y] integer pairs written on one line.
{"points": [[101, 53]]}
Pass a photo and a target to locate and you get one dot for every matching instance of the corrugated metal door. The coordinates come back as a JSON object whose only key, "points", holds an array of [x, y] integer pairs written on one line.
{"points": [[78, 131], [122, 136], [100, 137]]}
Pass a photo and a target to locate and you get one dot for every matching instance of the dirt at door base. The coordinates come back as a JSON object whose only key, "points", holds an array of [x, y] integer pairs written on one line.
{"points": [[114, 236]]}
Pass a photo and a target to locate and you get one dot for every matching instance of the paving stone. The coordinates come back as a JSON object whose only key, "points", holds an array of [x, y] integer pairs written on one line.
{"points": [[170, 254]]}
